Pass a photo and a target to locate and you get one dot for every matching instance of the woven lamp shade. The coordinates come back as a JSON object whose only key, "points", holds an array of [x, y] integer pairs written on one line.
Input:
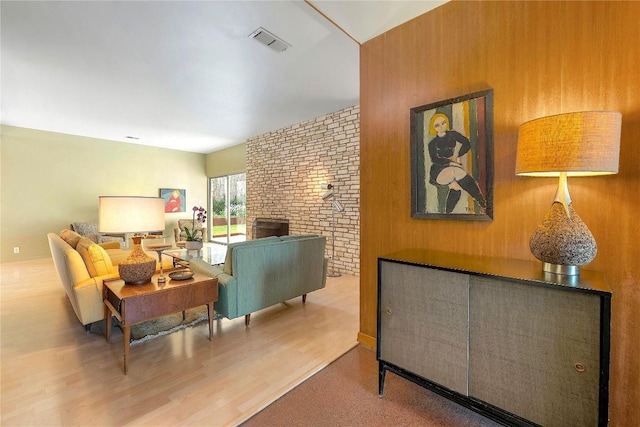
{"points": [[581, 144]]}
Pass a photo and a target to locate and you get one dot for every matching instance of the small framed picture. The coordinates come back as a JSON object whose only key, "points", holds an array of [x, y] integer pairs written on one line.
{"points": [[452, 158], [175, 200]]}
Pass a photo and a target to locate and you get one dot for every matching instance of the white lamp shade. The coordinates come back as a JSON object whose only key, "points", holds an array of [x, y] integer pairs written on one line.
{"points": [[580, 144], [326, 195], [337, 206], [130, 214]]}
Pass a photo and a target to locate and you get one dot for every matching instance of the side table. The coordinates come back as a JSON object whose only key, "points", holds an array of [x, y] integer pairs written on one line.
{"points": [[133, 304]]}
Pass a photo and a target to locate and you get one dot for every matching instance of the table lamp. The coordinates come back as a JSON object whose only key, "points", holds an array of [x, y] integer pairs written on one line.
{"points": [[572, 144], [132, 214]]}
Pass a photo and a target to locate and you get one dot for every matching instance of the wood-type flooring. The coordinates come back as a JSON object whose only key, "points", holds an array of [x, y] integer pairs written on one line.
{"points": [[54, 373]]}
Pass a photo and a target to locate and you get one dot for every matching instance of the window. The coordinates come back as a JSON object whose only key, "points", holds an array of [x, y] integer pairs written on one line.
{"points": [[228, 207]]}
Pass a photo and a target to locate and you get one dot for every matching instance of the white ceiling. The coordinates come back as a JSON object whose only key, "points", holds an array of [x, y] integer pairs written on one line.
{"points": [[183, 74]]}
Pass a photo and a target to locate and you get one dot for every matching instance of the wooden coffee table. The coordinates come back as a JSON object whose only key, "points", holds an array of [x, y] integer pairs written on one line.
{"points": [[132, 304]]}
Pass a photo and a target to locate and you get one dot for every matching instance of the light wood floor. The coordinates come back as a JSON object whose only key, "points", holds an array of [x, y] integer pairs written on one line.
{"points": [[54, 373]]}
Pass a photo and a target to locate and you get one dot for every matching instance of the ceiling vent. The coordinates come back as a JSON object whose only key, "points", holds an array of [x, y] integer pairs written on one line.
{"points": [[268, 39]]}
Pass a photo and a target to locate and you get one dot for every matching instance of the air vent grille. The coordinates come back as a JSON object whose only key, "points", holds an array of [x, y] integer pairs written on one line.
{"points": [[266, 38]]}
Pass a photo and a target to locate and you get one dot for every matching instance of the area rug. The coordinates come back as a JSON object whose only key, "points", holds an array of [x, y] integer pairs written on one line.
{"points": [[168, 324]]}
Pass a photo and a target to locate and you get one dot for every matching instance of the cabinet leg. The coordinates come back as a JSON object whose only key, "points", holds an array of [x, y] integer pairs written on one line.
{"points": [[381, 372]]}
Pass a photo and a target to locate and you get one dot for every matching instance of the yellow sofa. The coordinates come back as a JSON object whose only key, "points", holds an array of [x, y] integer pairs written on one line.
{"points": [[82, 267]]}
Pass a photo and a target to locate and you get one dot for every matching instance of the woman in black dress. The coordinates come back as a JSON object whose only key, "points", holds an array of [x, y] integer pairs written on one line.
{"points": [[445, 150]]}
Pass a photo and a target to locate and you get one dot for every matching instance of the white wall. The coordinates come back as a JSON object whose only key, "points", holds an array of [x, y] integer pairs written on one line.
{"points": [[50, 180], [227, 161]]}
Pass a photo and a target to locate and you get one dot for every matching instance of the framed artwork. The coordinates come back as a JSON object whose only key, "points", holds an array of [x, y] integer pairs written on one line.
{"points": [[452, 158], [175, 200]]}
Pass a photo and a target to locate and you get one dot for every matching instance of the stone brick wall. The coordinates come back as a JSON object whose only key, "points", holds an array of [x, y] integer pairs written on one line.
{"points": [[285, 170]]}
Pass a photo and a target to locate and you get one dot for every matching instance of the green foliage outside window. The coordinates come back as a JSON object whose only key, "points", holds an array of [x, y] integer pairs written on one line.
{"points": [[237, 208]]}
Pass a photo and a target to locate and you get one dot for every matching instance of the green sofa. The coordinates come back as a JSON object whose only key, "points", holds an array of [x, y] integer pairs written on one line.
{"points": [[259, 273]]}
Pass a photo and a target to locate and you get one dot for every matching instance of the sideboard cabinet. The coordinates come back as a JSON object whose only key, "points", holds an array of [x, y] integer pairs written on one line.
{"points": [[499, 336]]}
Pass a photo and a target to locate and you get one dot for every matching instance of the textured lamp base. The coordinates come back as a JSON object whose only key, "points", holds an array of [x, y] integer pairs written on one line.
{"points": [[139, 267], [563, 243], [136, 274]]}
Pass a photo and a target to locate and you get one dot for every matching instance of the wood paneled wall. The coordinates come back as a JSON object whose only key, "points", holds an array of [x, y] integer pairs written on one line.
{"points": [[540, 58]]}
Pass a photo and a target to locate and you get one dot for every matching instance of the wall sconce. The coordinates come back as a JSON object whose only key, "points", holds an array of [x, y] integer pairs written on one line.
{"points": [[571, 144], [124, 214], [336, 207]]}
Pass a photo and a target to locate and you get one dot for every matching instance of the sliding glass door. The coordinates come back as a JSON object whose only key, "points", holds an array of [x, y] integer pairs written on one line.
{"points": [[228, 205]]}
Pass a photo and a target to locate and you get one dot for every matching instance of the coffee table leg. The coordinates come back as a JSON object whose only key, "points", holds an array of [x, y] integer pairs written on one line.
{"points": [[211, 314], [127, 335]]}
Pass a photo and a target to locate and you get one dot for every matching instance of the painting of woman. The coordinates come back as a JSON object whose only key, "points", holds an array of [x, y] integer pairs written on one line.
{"points": [[452, 158], [445, 151]]}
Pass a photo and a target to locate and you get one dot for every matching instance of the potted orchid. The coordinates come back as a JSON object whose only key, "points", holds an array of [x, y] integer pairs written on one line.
{"points": [[199, 217]]}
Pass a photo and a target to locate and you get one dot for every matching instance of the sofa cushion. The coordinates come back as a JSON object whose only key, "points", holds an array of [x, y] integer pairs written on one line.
{"points": [[95, 258], [118, 255], [228, 260], [71, 237], [198, 226], [87, 229]]}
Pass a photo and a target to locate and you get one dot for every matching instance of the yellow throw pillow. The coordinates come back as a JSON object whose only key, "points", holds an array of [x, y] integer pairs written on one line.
{"points": [[95, 258], [71, 237]]}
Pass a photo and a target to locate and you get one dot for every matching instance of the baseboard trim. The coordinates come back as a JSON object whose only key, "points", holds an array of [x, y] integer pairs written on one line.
{"points": [[367, 341]]}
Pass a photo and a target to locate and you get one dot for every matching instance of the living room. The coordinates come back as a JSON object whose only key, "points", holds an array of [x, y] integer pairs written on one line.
{"points": [[540, 58]]}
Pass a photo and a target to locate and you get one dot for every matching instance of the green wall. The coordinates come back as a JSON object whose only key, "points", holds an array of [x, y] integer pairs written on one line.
{"points": [[228, 161], [49, 180]]}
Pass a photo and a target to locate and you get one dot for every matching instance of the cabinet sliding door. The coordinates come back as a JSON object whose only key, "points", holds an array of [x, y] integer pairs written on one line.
{"points": [[423, 323], [535, 351]]}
